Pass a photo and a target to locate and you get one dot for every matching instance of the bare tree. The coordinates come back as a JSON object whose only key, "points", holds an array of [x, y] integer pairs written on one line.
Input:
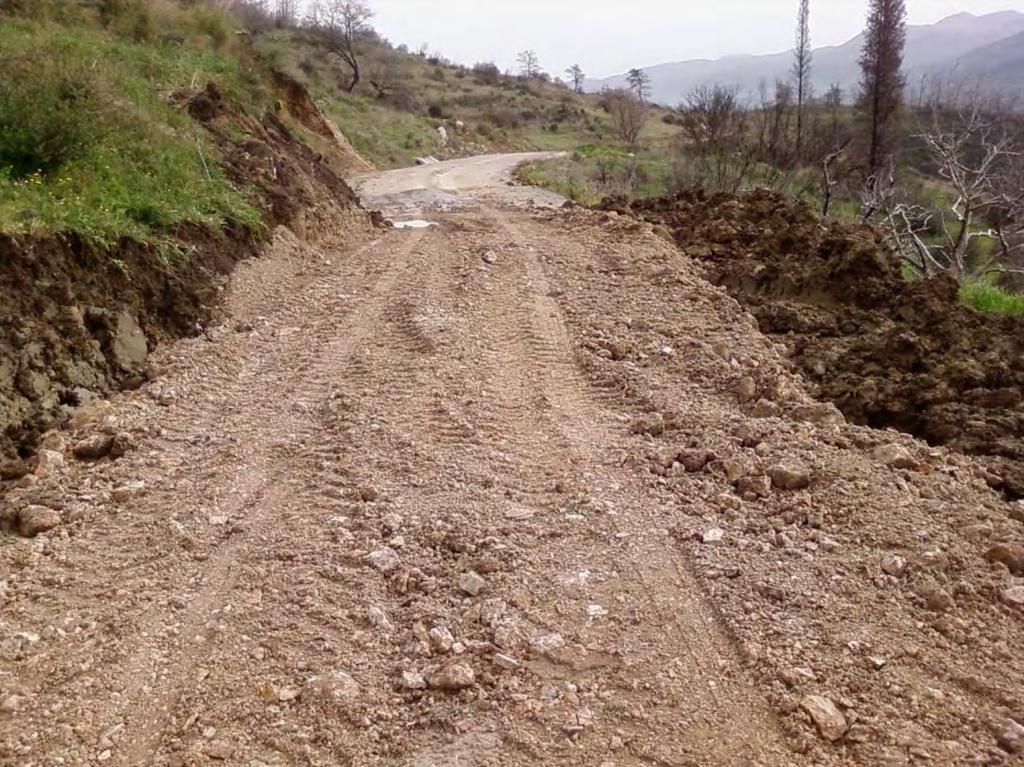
{"points": [[628, 113], [576, 77], [977, 153], [529, 64], [882, 80], [802, 71], [640, 83], [286, 13], [344, 23], [711, 116]]}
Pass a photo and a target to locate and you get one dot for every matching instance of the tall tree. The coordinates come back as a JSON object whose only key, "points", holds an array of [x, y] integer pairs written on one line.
{"points": [[802, 71], [640, 83], [344, 23], [576, 76], [882, 79], [529, 64]]}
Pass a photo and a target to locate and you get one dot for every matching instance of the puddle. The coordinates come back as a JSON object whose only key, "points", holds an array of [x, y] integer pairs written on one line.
{"points": [[416, 223]]}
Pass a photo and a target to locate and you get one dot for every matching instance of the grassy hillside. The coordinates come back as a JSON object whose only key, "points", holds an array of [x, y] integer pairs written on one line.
{"points": [[93, 137], [393, 116]]}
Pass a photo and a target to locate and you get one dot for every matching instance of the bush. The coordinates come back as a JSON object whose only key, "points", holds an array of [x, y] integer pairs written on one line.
{"points": [[46, 120]]}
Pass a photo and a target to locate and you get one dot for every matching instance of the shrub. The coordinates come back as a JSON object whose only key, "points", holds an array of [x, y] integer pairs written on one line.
{"points": [[46, 120]]}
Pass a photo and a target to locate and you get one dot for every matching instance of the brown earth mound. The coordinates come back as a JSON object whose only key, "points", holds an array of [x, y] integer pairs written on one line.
{"points": [[889, 353], [77, 322]]}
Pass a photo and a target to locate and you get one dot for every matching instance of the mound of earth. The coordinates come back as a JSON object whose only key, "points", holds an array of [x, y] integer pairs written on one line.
{"points": [[887, 352], [78, 322]]}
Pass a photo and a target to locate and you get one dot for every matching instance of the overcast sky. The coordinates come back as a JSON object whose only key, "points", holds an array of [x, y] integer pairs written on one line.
{"points": [[609, 36]]}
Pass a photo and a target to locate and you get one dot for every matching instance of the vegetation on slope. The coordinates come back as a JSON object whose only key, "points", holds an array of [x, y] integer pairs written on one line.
{"points": [[92, 140]]}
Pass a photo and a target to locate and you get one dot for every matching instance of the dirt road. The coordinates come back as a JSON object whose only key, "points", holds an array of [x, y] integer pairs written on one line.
{"points": [[410, 505]]}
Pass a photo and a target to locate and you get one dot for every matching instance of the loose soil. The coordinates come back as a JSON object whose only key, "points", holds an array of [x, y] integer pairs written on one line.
{"points": [[522, 488], [887, 352]]}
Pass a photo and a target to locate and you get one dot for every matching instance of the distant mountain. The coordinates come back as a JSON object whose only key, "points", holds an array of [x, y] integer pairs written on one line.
{"points": [[962, 46]]}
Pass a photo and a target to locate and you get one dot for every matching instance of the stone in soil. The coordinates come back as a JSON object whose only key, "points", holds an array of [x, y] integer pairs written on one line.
{"points": [[895, 456], [457, 676], [333, 686], [1011, 737], [1009, 554], [1013, 597], [790, 477], [93, 448], [385, 560], [472, 584], [826, 717], [33, 520], [15, 469], [412, 680]]}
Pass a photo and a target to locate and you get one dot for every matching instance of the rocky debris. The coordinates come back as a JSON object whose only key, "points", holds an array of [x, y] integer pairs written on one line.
{"points": [[1013, 597], [1011, 737], [714, 535], [385, 559], [896, 456], [787, 477], [452, 678], [219, 750], [652, 424], [128, 345], [894, 565], [378, 618], [94, 447], [48, 463], [441, 640], [1009, 554], [13, 469], [695, 460], [472, 584], [756, 487], [546, 643], [826, 716], [936, 598], [506, 662], [337, 687], [125, 493], [33, 520], [411, 681], [746, 390], [489, 257]]}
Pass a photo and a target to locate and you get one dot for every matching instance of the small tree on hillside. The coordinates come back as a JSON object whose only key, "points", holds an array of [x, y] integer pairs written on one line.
{"points": [[344, 24], [628, 113], [576, 77], [882, 80], [710, 117], [529, 64], [802, 71], [640, 83]]}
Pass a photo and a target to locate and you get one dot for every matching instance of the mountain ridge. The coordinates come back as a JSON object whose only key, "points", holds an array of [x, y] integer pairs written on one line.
{"points": [[953, 47]]}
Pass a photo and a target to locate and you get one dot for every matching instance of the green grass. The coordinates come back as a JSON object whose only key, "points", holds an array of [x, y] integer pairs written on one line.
{"points": [[990, 298], [142, 168]]}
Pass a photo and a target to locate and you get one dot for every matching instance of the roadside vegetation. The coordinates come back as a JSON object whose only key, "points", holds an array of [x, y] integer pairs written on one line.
{"points": [[92, 140]]}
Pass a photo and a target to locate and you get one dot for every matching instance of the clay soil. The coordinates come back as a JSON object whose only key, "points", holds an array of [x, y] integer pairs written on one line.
{"points": [[887, 352]]}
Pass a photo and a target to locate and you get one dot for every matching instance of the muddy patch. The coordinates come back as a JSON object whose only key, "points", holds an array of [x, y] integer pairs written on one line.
{"points": [[887, 352]]}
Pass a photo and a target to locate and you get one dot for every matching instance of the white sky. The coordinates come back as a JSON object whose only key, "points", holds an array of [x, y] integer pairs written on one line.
{"points": [[609, 36]]}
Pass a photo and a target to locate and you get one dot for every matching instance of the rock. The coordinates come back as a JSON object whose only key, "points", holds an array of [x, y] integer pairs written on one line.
{"points": [[441, 639], [14, 469], [894, 565], [894, 456], [452, 678], [505, 661], [472, 584], [1009, 554], [758, 486], [764, 408], [649, 423], [125, 493], [1011, 737], [735, 470], [33, 520], [219, 750], [48, 463], [826, 717], [412, 680], [122, 445], [695, 460], [378, 618], [129, 346], [93, 448], [790, 477], [936, 599], [746, 390], [335, 687], [384, 560], [714, 535], [824, 413], [547, 643], [489, 257], [1013, 597]]}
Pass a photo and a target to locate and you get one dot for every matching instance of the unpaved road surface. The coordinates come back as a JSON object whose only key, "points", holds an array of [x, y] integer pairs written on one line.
{"points": [[500, 492]]}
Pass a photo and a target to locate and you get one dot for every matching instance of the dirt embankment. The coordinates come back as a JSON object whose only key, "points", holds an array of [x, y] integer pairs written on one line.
{"points": [[887, 352], [77, 322]]}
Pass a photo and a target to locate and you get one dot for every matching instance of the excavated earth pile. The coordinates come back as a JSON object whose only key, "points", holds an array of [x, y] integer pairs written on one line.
{"points": [[887, 352], [78, 322]]}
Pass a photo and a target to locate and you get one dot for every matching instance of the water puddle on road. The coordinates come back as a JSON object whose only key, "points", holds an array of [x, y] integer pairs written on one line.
{"points": [[416, 223]]}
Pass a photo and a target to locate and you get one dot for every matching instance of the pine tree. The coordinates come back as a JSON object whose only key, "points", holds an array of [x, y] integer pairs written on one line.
{"points": [[882, 79], [802, 71]]}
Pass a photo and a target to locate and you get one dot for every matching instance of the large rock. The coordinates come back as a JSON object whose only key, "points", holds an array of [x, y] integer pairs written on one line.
{"points": [[790, 477], [826, 717], [93, 448], [129, 345], [33, 520], [337, 687], [1009, 554]]}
